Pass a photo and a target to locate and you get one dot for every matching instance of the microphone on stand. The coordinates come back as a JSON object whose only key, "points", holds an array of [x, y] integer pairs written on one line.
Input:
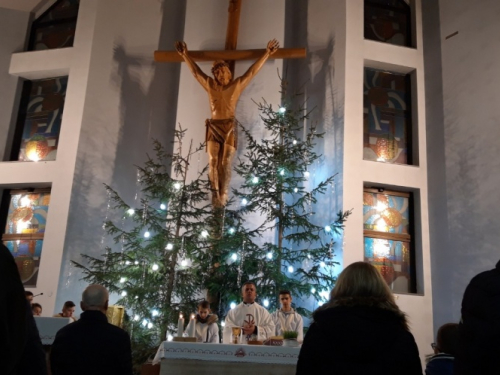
{"points": [[39, 294]]}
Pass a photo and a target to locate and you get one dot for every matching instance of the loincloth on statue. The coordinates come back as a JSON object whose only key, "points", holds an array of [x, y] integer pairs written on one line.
{"points": [[222, 131]]}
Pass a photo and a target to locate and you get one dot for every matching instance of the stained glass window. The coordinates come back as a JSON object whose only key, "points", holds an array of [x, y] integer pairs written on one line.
{"points": [[387, 237], [56, 27], [387, 117], [24, 231], [388, 21], [40, 118]]}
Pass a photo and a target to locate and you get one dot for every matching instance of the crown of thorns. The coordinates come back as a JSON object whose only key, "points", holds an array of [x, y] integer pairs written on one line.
{"points": [[219, 64]]}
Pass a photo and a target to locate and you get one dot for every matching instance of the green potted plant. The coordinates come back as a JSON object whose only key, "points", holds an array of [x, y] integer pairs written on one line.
{"points": [[290, 339]]}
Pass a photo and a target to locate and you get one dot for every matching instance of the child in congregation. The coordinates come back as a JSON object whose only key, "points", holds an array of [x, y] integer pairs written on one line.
{"points": [[36, 309], [206, 324], [441, 363]]}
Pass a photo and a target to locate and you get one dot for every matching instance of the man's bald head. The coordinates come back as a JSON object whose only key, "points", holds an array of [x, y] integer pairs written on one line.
{"points": [[95, 297]]}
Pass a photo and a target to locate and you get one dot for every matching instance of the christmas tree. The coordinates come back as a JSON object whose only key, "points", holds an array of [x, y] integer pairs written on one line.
{"points": [[162, 256], [276, 170]]}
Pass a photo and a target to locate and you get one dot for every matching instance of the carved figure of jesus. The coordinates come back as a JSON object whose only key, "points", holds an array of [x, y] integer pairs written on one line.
{"points": [[223, 94]]}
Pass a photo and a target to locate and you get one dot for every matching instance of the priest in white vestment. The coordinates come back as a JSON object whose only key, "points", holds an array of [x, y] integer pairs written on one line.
{"points": [[286, 318], [252, 317]]}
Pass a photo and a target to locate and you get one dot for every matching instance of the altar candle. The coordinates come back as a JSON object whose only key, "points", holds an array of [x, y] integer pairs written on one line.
{"points": [[192, 326], [180, 325]]}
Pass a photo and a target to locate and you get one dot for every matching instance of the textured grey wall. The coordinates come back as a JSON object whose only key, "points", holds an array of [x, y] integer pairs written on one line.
{"points": [[464, 161], [13, 30]]}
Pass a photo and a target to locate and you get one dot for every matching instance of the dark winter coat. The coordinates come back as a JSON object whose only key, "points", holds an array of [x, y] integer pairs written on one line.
{"points": [[440, 364], [479, 330], [358, 340], [91, 346]]}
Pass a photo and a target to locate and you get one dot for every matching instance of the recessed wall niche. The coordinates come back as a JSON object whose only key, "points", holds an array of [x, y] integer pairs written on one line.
{"points": [[389, 21], [388, 223], [387, 116]]}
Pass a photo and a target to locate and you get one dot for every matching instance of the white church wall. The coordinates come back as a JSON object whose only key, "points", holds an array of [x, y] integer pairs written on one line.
{"points": [[320, 27], [127, 100], [13, 29], [359, 173], [466, 233]]}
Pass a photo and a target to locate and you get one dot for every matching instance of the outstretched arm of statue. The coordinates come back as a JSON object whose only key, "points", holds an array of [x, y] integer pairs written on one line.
{"points": [[201, 77], [272, 47]]}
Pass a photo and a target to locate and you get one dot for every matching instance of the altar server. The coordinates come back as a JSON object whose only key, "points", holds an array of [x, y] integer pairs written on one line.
{"points": [[207, 329], [253, 318], [286, 318]]}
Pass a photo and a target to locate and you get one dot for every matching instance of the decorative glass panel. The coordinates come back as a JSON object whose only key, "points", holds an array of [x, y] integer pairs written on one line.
{"points": [[24, 231], [385, 213], [56, 27], [27, 255], [43, 120], [386, 117], [388, 21], [27, 213], [392, 259]]}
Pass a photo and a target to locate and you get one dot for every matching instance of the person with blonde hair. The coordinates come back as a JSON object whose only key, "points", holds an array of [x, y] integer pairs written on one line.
{"points": [[360, 330]]}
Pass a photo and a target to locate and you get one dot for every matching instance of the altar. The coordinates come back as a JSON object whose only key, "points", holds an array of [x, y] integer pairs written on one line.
{"points": [[180, 358]]}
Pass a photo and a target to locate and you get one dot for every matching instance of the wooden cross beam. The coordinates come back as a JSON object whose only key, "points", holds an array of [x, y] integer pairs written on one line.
{"points": [[230, 54]]}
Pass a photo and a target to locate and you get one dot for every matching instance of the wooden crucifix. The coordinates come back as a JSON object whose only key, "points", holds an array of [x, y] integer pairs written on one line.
{"points": [[223, 93]]}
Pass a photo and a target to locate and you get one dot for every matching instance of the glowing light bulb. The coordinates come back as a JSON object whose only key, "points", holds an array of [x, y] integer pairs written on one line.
{"points": [[147, 234], [255, 180], [306, 174], [294, 142], [177, 186], [313, 290], [223, 323], [282, 110], [131, 211], [163, 207], [184, 263], [204, 234], [144, 322], [296, 190], [136, 318], [328, 228], [155, 312], [282, 172], [169, 246], [155, 267], [234, 256], [136, 262], [150, 325], [127, 262], [269, 255], [244, 202], [308, 256], [290, 269], [232, 230], [232, 305], [124, 294], [266, 303]]}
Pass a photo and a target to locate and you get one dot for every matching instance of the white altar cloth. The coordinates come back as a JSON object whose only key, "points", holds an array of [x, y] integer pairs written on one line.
{"points": [[227, 353], [48, 327]]}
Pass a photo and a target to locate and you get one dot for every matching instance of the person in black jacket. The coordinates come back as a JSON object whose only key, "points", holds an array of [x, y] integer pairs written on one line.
{"points": [[360, 330], [92, 345], [479, 329], [21, 351]]}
